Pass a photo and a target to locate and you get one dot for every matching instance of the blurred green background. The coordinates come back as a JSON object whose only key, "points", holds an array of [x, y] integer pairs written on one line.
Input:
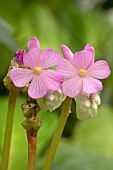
{"points": [[85, 145]]}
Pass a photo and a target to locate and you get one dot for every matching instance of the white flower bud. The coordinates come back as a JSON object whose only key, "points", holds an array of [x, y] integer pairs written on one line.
{"points": [[51, 101], [87, 106], [50, 96], [87, 103], [96, 98]]}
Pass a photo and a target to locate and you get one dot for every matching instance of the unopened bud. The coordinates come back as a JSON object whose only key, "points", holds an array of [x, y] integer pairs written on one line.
{"points": [[87, 106], [96, 98], [19, 56], [68, 55], [51, 101], [50, 96]]}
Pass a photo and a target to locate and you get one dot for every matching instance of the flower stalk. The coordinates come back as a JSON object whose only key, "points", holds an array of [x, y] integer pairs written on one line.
{"points": [[31, 125], [65, 112], [31, 136], [13, 93]]}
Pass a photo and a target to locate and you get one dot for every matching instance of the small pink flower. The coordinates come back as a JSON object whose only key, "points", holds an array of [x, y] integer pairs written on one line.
{"points": [[81, 73], [41, 79]]}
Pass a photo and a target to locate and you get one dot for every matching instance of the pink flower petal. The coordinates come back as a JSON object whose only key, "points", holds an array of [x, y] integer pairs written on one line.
{"points": [[72, 87], [68, 55], [51, 79], [91, 85], [83, 59], [66, 68], [33, 43], [37, 88], [99, 70], [20, 76], [49, 58], [89, 48], [31, 59]]}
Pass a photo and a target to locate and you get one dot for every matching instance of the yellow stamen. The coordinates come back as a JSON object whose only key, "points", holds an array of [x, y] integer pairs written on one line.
{"points": [[37, 69], [82, 72]]}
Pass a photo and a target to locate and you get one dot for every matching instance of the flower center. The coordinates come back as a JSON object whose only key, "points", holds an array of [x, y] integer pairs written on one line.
{"points": [[37, 69], [82, 72]]}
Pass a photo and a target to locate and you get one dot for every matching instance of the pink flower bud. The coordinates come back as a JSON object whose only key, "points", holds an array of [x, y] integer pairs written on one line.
{"points": [[68, 55], [19, 56]]}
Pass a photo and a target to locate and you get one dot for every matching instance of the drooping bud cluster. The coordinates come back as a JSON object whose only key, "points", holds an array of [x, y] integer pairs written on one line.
{"points": [[51, 101], [87, 106]]}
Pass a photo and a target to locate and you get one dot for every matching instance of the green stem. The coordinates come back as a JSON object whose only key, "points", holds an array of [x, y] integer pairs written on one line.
{"points": [[31, 149], [13, 93], [61, 124]]}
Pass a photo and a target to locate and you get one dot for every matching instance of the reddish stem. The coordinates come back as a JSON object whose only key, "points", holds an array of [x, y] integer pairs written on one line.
{"points": [[31, 136]]}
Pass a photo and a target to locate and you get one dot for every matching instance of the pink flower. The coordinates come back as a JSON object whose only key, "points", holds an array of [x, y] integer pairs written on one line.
{"points": [[41, 79], [81, 73]]}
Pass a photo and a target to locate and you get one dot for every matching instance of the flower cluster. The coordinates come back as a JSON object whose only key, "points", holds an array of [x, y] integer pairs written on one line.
{"points": [[87, 106], [76, 74]]}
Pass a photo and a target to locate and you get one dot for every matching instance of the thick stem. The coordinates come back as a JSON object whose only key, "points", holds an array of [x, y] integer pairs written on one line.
{"points": [[32, 136], [61, 124], [13, 93]]}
